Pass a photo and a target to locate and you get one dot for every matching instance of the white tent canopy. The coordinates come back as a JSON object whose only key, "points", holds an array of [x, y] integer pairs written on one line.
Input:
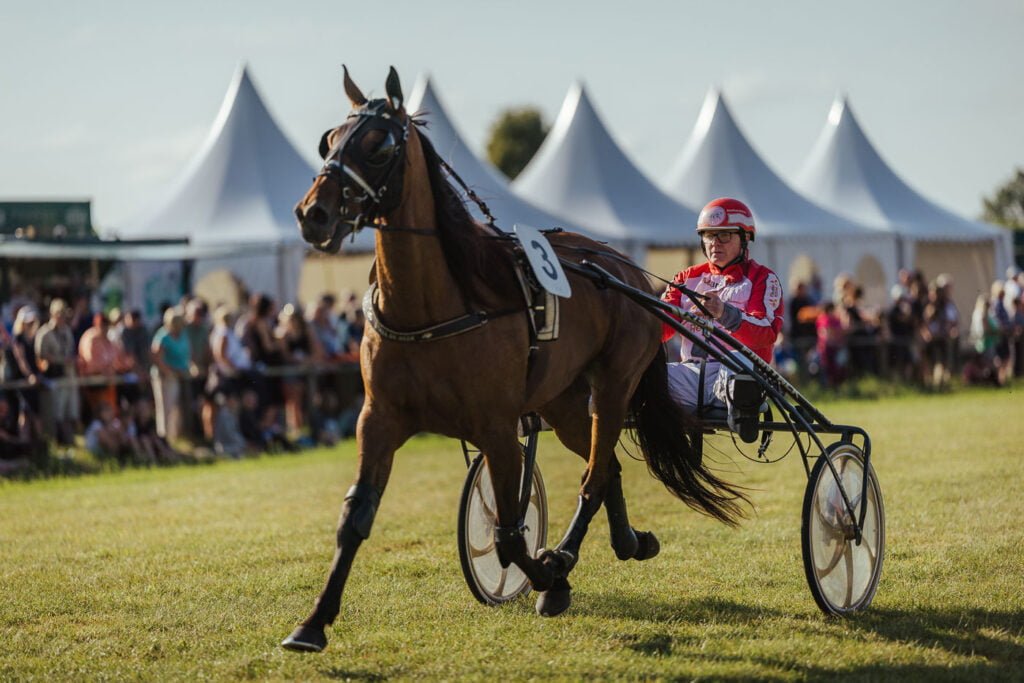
{"points": [[718, 161], [846, 173], [239, 189], [581, 172], [488, 183]]}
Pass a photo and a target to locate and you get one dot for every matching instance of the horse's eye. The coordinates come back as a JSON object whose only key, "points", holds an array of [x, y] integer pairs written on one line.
{"points": [[384, 151]]}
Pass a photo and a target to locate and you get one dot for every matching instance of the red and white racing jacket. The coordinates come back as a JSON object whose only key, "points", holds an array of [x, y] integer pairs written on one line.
{"points": [[752, 295]]}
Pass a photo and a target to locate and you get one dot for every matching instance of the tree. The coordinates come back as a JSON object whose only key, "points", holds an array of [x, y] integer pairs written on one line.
{"points": [[1006, 206], [515, 138]]}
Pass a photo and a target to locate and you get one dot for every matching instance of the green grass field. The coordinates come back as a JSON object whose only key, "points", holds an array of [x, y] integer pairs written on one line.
{"points": [[198, 572]]}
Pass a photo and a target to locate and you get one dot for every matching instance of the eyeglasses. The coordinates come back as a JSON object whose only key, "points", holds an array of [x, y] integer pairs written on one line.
{"points": [[720, 237]]}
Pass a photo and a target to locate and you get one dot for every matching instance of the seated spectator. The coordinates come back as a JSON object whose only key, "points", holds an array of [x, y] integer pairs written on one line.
{"points": [[107, 436], [154, 448], [227, 431], [260, 435], [16, 445]]}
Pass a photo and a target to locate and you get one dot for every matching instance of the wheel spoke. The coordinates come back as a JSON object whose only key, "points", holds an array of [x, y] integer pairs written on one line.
{"points": [[485, 504], [476, 552], [501, 582]]}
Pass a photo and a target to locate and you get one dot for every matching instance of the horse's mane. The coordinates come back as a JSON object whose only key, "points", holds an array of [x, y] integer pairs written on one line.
{"points": [[477, 261]]}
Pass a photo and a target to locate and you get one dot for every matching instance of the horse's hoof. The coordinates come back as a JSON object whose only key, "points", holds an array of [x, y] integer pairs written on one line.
{"points": [[306, 639], [648, 545], [555, 600], [627, 546]]}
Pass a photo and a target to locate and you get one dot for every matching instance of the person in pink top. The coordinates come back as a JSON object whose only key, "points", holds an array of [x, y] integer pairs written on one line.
{"points": [[743, 298], [98, 355]]}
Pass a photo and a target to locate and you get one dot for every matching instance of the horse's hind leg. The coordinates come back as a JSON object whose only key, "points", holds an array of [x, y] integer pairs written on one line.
{"points": [[378, 441], [569, 416], [505, 463]]}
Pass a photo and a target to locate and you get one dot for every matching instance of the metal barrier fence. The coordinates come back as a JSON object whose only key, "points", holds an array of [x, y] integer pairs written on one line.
{"points": [[347, 383]]}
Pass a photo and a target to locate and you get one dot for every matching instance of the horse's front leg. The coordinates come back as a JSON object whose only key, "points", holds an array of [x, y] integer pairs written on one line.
{"points": [[379, 438]]}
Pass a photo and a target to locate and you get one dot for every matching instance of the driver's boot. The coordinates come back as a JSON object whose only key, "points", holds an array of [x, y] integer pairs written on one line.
{"points": [[744, 406]]}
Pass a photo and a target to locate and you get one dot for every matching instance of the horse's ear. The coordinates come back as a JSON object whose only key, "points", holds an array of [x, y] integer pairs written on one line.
{"points": [[355, 95], [394, 90]]}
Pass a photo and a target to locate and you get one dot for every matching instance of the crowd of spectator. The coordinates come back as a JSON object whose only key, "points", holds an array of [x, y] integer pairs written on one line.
{"points": [[919, 338], [226, 382], [237, 382]]}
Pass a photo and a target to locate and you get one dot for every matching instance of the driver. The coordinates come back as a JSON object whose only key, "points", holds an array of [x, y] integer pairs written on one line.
{"points": [[744, 298]]}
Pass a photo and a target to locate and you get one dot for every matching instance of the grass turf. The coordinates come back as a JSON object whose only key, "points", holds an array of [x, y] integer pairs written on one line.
{"points": [[198, 573]]}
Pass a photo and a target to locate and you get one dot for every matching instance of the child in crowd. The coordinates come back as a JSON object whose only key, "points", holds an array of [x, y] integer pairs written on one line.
{"points": [[263, 435], [108, 437], [154, 448], [227, 431]]}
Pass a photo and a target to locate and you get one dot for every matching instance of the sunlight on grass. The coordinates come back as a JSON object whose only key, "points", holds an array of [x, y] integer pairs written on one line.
{"points": [[199, 572]]}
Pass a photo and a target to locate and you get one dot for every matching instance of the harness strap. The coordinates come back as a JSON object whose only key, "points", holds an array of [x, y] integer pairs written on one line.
{"points": [[442, 330]]}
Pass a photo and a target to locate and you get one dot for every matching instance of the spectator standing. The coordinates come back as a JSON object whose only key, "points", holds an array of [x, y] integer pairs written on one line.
{"points": [[135, 341], [80, 317], [172, 358], [266, 352], [325, 328], [197, 329], [55, 355], [301, 348], [230, 359], [832, 356], [902, 333], [23, 367], [100, 357], [802, 331]]}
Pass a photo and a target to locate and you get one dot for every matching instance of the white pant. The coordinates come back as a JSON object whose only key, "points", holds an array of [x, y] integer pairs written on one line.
{"points": [[684, 382], [166, 404]]}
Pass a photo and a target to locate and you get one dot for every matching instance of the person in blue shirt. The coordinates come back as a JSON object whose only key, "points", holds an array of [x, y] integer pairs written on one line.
{"points": [[172, 364]]}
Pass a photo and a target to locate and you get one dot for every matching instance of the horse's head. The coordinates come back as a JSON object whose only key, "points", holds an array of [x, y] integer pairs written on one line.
{"points": [[361, 179]]}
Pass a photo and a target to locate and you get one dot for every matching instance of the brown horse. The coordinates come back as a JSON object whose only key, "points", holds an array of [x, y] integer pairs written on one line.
{"points": [[452, 354]]}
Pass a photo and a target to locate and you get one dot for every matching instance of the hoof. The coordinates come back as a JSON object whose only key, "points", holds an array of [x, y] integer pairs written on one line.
{"points": [[305, 639], [648, 545], [555, 600], [626, 546]]}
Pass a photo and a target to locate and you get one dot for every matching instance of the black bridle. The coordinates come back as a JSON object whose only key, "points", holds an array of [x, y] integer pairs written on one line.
{"points": [[372, 180]]}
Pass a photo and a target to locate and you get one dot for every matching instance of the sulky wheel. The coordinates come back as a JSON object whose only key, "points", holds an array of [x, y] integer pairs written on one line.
{"points": [[842, 573], [488, 581]]}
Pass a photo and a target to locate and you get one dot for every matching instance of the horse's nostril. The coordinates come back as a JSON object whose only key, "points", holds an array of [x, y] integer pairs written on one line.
{"points": [[316, 215]]}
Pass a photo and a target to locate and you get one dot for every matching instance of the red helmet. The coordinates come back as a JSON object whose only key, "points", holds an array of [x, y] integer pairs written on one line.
{"points": [[725, 213]]}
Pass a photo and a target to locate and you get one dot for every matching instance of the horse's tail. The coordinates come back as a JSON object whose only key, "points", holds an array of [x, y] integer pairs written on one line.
{"points": [[667, 434]]}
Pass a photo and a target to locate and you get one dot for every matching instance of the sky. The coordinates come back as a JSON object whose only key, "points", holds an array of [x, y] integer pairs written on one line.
{"points": [[110, 100]]}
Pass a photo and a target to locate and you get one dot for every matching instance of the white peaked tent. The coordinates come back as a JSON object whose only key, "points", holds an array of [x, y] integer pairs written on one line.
{"points": [[718, 161], [846, 173], [239, 190], [581, 172], [488, 183]]}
